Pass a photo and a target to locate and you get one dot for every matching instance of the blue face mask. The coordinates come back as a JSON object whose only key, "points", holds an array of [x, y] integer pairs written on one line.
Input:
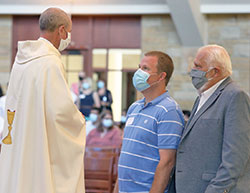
{"points": [[93, 117], [107, 123], [140, 80], [100, 84], [123, 119], [85, 85]]}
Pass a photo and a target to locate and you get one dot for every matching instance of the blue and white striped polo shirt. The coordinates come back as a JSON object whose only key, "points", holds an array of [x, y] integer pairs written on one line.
{"points": [[158, 125]]}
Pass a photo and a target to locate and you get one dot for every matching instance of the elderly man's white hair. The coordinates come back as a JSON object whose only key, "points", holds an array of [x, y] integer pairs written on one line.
{"points": [[217, 56], [52, 18]]}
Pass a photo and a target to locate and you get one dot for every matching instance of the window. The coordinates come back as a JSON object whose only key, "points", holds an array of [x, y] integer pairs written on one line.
{"points": [[116, 67]]}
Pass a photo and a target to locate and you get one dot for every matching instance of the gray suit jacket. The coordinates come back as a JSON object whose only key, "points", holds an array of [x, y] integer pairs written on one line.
{"points": [[214, 153]]}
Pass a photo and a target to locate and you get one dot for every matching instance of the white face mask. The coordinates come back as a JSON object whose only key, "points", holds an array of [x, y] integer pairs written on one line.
{"points": [[64, 43]]}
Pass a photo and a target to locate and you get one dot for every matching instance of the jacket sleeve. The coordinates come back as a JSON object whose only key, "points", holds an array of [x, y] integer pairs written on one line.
{"points": [[236, 145]]}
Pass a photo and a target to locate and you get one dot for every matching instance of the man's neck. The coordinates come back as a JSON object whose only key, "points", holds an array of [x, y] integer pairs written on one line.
{"points": [[153, 92], [211, 84], [50, 37]]}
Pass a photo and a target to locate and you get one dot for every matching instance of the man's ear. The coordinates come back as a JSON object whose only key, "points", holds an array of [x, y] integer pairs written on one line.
{"points": [[217, 72], [163, 75], [61, 32]]}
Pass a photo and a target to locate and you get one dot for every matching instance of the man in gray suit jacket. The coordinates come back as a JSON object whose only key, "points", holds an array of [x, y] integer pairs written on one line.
{"points": [[214, 153]]}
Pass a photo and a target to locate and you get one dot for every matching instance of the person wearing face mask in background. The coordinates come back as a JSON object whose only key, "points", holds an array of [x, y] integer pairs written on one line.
{"points": [[106, 133], [104, 95], [153, 129], [87, 98], [93, 119], [214, 152], [44, 133], [186, 114], [1, 91], [75, 87], [123, 119]]}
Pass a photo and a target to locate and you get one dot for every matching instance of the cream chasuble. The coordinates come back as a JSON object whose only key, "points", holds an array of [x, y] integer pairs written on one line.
{"points": [[44, 133]]}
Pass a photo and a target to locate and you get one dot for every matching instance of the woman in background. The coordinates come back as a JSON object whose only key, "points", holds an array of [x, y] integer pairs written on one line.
{"points": [[104, 95], [106, 133], [87, 98], [93, 119]]}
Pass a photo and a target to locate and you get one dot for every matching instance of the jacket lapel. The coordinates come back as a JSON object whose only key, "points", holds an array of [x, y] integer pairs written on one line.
{"points": [[194, 117], [196, 103]]}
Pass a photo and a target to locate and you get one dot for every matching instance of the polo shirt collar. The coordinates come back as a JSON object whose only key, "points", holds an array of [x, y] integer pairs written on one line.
{"points": [[156, 100]]}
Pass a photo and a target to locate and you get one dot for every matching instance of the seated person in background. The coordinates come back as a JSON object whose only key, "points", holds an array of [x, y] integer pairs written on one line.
{"points": [[92, 122], [123, 119], [106, 133], [1, 91], [104, 95], [186, 114], [87, 98]]}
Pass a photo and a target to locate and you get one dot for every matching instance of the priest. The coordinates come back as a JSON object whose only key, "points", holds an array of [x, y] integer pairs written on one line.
{"points": [[44, 133]]}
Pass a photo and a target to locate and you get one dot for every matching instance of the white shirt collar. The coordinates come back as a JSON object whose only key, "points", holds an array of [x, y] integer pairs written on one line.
{"points": [[206, 94]]}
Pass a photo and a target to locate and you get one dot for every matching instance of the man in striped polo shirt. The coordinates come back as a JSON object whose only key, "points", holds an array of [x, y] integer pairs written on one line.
{"points": [[153, 129]]}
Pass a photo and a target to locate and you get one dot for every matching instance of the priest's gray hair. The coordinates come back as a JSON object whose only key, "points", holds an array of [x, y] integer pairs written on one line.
{"points": [[52, 18], [217, 56]]}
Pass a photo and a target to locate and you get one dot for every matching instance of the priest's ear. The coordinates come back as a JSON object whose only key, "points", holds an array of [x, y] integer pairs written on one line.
{"points": [[62, 32]]}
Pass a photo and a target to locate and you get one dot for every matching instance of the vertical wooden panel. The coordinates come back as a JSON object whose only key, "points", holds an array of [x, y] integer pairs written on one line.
{"points": [[100, 32], [125, 32], [80, 31], [24, 28], [88, 63], [82, 39]]}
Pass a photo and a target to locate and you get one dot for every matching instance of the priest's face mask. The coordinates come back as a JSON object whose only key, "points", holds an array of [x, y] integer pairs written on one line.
{"points": [[64, 42], [65, 35]]}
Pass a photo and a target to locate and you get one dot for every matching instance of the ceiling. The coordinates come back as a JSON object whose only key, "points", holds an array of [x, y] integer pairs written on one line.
{"points": [[85, 2], [86, 7], [114, 2], [225, 2]]}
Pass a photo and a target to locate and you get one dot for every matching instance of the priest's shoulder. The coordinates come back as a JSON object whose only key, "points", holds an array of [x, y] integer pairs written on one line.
{"points": [[52, 62]]}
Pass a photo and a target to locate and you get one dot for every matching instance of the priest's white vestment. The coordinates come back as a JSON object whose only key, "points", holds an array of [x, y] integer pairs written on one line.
{"points": [[47, 131]]}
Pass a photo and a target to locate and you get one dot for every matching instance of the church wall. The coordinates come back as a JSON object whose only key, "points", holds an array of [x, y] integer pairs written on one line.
{"points": [[5, 49]]}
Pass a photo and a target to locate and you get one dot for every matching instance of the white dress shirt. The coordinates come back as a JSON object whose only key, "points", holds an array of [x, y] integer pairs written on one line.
{"points": [[206, 94]]}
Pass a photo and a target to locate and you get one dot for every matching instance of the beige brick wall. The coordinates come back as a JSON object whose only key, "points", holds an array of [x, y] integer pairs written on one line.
{"points": [[159, 33], [230, 31], [233, 33], [5, 49]]}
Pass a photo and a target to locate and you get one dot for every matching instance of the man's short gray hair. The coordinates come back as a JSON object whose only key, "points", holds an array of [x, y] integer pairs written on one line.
{"points": [[217, 56], [52, 18]]}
